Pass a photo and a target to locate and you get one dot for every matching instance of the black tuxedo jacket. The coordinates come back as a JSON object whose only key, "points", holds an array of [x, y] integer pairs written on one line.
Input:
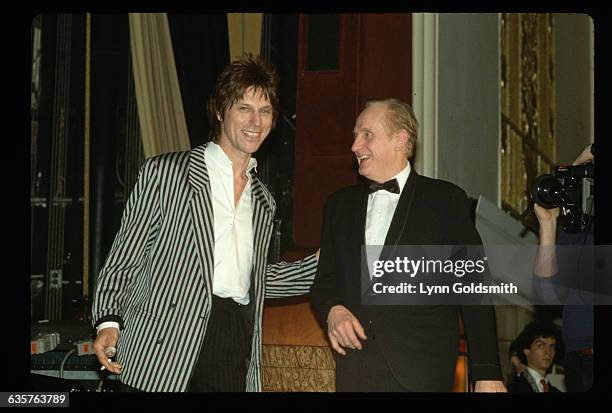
{"points": [[420, 343], [521, 385]]}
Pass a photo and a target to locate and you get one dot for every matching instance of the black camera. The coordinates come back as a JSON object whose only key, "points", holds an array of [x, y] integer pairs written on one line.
{"points": [[572, 189]]}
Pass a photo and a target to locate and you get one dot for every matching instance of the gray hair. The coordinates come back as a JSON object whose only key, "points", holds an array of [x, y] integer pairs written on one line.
{"points": [[399, 116]]}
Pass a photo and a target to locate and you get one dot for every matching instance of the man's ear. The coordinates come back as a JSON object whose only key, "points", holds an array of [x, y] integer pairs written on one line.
{"points": [[410, 146], [526, 352], [402, 139], [404, 144], [219, 117]]}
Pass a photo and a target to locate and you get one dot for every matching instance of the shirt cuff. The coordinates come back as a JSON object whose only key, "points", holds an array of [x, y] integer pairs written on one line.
{"points": [[107, 324]]}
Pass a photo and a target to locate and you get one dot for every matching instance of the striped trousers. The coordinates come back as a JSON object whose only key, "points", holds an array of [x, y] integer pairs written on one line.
{"points": [[224, 358]]}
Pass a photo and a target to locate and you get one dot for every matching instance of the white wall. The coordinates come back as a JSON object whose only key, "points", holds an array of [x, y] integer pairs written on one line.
{"points": [[574, 93], [468, 103]]}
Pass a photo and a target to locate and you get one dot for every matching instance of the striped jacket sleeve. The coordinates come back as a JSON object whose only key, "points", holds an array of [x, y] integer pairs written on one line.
{"points": [[139, 226], [286, 279]]}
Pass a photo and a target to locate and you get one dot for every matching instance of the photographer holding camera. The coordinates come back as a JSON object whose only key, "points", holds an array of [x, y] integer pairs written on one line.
{"points": [[553, 271]]}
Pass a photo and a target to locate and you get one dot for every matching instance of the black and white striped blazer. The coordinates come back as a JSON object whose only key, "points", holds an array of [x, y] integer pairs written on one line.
{"points": [[157, 278]]}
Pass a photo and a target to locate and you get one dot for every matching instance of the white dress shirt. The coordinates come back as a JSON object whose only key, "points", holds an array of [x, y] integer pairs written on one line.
{"points": [[537, 377], [381, 207], [233, 227]]}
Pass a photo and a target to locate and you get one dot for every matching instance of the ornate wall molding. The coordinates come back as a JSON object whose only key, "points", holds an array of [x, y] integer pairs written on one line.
{"points": [[527, 103]]}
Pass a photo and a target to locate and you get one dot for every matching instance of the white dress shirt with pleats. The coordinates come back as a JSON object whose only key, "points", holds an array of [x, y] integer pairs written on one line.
{"points": [[381, 207]]}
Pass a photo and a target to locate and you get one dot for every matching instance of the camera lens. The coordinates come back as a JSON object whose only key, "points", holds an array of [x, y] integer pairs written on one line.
{"points": [[547, 191]]}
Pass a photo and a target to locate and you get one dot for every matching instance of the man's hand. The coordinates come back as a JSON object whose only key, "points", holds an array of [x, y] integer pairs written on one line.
{"points": [[490, 386], [584, 157], [518, 364], [106, 339], [546, 216], [548, 224], [546, 259], [343, 329]]}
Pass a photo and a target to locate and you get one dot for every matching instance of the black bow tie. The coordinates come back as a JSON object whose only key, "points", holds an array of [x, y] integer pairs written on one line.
{"points": [[391, 186]]}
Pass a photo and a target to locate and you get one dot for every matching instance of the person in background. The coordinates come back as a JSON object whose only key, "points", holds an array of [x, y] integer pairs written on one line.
{"points": [[552, 271], [536, 347]]}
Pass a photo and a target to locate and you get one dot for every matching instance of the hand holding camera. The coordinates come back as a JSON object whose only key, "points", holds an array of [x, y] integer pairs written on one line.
{"points": [[570, 188]]}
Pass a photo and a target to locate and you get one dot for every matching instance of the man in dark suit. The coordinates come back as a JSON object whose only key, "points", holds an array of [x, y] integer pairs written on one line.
{"points": [[567, 277], [180, 297], [536, 347], [396, 348]]}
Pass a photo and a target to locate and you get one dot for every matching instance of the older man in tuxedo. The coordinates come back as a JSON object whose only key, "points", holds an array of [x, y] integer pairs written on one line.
{"points": [[400, 347]]}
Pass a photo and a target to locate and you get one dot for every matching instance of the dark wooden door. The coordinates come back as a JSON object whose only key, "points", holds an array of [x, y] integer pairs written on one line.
{"points": [[343, 60]]}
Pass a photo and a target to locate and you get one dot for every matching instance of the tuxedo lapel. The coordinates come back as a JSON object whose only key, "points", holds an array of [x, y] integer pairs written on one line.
{"points": [[361, 213], [358, 237], [400, 216]]}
